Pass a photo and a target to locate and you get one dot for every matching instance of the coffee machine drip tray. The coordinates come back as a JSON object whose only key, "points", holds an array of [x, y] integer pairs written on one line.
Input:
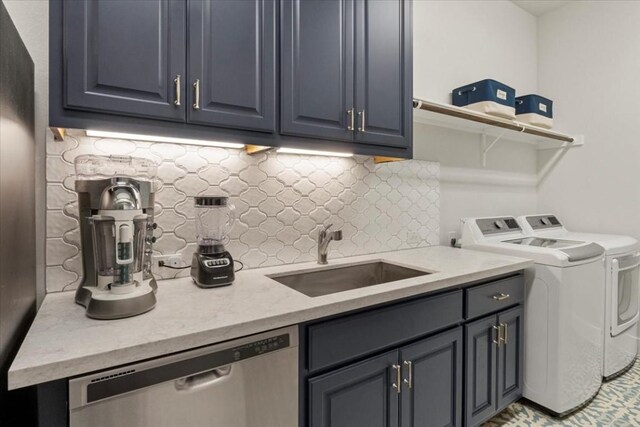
{"points": [[104, 304]]}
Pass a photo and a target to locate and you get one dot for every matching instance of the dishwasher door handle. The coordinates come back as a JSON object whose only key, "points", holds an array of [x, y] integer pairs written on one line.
{"points": [[203, 379]]}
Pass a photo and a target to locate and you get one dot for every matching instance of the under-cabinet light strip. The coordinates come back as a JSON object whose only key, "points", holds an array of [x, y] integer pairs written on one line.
{"points": [[286, 150], [152, 138]]}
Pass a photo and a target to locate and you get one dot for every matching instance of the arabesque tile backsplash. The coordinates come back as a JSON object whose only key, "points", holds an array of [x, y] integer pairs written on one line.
{"points": [[281, 202]]}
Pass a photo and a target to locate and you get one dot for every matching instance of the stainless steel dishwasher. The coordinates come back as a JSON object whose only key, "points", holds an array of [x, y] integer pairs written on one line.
{"points": [[249, 382]]}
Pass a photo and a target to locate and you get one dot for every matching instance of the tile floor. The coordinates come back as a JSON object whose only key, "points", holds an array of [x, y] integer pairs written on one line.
{"points": [[616, 405]]}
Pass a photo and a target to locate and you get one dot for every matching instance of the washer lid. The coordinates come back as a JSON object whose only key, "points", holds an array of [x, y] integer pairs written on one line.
{"points": [[544, 242], [573, 249]]}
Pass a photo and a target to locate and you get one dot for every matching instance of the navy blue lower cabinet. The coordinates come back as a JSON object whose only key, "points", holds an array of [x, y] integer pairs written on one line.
{"points": [[493, 364], [446, 360], [510, 360], [480, 366], [418, 385], [432, 381], [363, 394]]}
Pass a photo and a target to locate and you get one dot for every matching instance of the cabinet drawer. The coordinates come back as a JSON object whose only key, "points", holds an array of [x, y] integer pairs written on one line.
{"points": [[353, 336], [494, 296]]}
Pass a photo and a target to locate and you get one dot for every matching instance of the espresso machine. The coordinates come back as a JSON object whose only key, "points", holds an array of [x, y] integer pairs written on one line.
{"points": [[212, 265], [115, 204]]}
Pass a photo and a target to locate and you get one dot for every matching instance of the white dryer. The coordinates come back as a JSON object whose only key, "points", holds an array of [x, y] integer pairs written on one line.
{"points": [[564, 314], [622, 286]]}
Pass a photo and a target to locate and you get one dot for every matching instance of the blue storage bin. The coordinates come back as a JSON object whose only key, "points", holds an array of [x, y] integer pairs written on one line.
{"points": [[487, 96], [535, 110]]}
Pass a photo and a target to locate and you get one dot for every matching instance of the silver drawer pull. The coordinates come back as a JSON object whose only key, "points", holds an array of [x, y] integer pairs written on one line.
{"points": [[397, 385], [176, 81], [361, 116], [409, 381], [196, 90], [497, 337], [351, 120], [501, 296], [504, 327]]}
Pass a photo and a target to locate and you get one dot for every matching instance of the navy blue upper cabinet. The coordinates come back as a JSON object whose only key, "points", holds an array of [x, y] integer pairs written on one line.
{"points": [[317, 68], [347, 70], [384, 72], [125, 57], [316, 74], [232, 64]]}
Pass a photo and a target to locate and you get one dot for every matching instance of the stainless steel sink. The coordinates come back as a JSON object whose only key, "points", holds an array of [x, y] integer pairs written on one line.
{"points": [[338, 279]]}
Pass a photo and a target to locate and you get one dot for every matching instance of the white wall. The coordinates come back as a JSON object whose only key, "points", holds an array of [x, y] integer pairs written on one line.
{"points": [[589, 63], [31, 18], [459, 42]]}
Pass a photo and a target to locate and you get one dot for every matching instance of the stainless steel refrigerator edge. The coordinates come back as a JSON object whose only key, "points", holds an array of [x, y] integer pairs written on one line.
{"points": [[17, 212]]}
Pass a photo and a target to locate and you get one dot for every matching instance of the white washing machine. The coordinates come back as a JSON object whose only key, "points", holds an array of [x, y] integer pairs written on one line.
{"points": [[564, 314], [622, 286]]}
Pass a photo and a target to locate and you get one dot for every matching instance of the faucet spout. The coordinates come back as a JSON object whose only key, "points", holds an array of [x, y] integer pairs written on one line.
{"points": [[324, 238]]}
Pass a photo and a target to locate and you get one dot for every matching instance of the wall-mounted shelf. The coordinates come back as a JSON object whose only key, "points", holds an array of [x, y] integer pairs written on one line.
{"points": [[491, 128]]}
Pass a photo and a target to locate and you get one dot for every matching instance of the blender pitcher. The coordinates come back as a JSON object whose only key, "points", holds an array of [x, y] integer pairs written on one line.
{"points": [[212, 265]]}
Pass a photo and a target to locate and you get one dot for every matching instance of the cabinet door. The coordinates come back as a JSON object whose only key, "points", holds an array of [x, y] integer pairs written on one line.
{"points": [[480, 367], [317, 68], [432, 393], [232, 56], [510, 357], [384, 72], [124, 57], [362, 394]]}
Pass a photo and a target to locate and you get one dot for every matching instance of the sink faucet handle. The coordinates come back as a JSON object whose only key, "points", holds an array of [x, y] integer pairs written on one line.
{"points": [[328, 227], [337, 235]]}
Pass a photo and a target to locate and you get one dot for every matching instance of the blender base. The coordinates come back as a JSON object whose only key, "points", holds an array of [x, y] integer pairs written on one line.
{"points": [[212, 270]]}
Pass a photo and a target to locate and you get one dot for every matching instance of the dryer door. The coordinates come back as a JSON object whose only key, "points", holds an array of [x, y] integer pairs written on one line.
{"points": [[625, 282]]}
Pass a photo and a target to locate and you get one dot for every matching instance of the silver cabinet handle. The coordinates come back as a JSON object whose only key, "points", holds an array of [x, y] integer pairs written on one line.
{"points": [[362, 118], [196, 90], [350, 119], [397, 384], [498, 333], [504, 327], [501, 296], [409, 381], [176, 81]]}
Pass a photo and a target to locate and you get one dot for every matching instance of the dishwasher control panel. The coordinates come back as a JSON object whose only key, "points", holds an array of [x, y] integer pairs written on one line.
{"points": [[260, 347]]}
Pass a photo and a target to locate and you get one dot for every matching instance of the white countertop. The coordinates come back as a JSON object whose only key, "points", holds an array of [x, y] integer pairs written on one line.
{"points": [[63, 342]]}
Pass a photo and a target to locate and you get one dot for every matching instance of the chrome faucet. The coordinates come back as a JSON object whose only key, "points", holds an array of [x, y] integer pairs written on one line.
{"points": [[324, 238]]}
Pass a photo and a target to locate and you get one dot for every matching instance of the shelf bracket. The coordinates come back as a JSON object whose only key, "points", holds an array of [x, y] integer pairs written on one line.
{"points": [[487, 146]]}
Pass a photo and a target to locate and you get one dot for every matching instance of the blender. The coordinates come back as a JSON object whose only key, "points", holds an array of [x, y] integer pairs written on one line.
{"points": [[212, 265], [115, 200]]}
